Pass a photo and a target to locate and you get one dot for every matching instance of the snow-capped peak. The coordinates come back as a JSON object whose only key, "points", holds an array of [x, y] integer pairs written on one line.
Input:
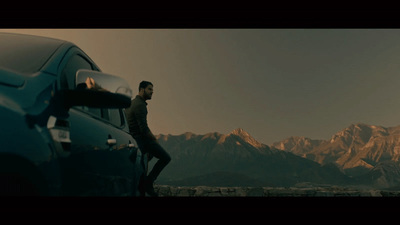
{"points": [[246, 137]]}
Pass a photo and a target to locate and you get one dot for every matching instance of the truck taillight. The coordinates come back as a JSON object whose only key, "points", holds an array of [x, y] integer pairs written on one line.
{"points": [[60, 132]]}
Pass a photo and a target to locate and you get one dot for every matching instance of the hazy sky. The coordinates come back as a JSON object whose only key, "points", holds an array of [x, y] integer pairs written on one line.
{"points": [[273, 83]]}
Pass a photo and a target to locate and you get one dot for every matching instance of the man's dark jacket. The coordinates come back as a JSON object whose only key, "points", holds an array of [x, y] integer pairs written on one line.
{"points": [[137, 118]]}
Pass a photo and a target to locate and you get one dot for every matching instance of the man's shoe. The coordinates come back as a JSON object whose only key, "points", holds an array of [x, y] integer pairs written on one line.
{"points": [[149, 188]]}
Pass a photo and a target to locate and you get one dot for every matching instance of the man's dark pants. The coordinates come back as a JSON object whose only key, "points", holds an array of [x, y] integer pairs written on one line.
{"points": [[155, 150]]}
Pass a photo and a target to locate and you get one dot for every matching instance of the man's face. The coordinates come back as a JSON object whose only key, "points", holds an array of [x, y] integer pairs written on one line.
{"points": [[148, 92]]}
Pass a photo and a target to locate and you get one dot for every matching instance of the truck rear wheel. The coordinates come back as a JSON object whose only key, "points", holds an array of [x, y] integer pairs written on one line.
{"points": [[19, 177], [12, 184]]}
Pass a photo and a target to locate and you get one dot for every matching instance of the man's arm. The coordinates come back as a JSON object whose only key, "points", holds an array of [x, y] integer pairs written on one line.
{"points": [[141, 116]]}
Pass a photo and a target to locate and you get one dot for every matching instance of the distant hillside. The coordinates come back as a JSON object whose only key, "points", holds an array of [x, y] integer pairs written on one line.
{"points": [[198, 156], [369, 153]]}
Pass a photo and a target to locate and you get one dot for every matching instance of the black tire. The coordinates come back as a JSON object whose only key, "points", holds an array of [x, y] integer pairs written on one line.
{"points": [[19, 177], [17, 185]]}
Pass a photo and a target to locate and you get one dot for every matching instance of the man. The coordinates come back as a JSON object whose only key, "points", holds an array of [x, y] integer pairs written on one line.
{"points": [[147, 142]]}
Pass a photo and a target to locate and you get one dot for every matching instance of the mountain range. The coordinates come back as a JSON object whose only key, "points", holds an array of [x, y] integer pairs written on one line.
{"points": [[237, 159], [369, 154], [359, 155]]}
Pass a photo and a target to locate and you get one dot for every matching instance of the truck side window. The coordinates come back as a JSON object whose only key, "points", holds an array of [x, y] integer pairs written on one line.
{"points": [[68, 76], [115, 117]]}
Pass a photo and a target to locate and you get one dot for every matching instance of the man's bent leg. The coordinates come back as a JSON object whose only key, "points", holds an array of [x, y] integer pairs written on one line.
{"points": [[154, 149], [163, 157]]}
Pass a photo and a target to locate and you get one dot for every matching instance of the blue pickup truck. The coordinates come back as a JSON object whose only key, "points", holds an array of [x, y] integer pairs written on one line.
{"points": [[63, 129]]}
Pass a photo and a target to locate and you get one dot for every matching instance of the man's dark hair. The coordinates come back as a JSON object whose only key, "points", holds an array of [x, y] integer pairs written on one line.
{"points": [[144, 84]]}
